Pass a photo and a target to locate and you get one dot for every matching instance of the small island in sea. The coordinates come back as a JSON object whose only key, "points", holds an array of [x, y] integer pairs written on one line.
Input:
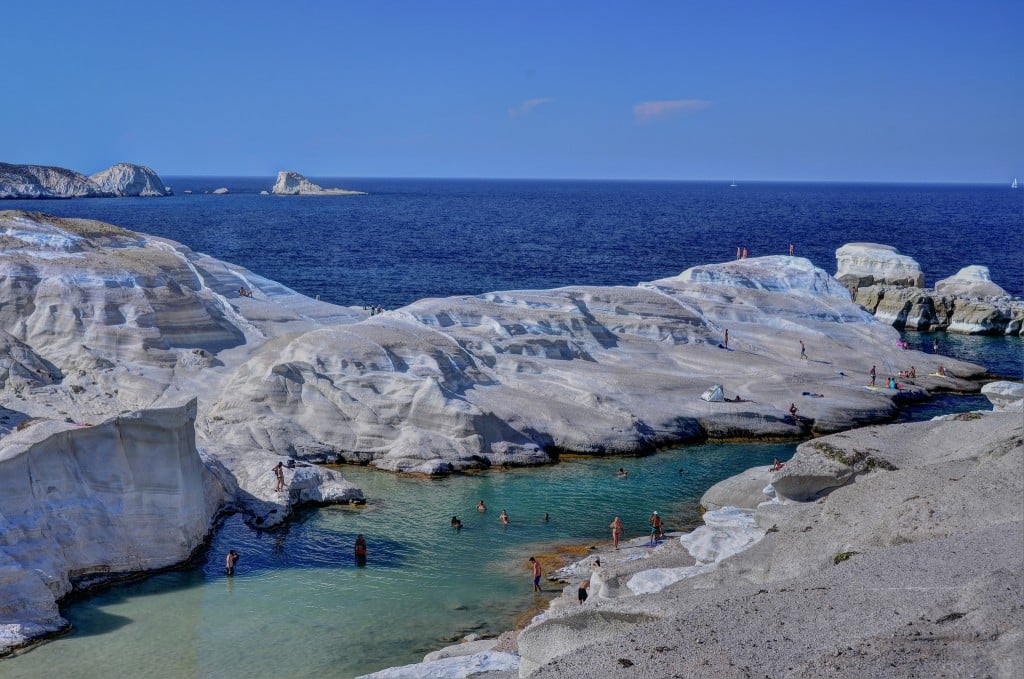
{"points": [[291, 183], [135, 368]]}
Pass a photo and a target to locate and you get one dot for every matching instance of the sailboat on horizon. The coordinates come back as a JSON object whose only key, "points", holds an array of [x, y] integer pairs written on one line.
{"points": [[733, 185], [1013, 184]]}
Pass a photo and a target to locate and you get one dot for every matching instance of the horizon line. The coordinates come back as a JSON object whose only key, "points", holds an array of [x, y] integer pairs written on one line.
{"points": [[738, 182]]}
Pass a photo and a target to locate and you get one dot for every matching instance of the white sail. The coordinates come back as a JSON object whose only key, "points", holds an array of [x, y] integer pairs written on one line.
{"points": [[1014, 184]]}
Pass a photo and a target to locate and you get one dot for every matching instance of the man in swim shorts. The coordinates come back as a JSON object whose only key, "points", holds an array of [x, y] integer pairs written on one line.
{"points": [[582, 591], [536, 574]]}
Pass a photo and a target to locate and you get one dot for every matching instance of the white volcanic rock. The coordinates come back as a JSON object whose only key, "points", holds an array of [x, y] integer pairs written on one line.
{"points": [[745, 490], [125, 179], [929, 310], [294, 184], [21, 368], [127, 495], [128, 319], [503, 378], [970, 281], [37, 181], [864, 264], [916, 569], [1005, 396], [40, 181]]}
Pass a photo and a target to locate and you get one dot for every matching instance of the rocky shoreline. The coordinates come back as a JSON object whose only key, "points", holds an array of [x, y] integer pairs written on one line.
{"points": [[111, 340], [883, 551]]}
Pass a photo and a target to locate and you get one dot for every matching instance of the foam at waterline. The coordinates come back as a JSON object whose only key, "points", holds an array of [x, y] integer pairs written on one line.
{"points": [[725, 532], [451, 668]]}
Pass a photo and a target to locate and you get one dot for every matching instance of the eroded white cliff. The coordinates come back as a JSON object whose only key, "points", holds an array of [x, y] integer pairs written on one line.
{"points": [[77, 502]]}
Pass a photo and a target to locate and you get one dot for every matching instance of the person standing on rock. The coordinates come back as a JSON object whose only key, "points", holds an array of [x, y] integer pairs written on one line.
{"points": [[872, 376], [790, 249], [536, 574], [793, 411], [617, 530], [726, 343], [279, 473], [803, 350]]}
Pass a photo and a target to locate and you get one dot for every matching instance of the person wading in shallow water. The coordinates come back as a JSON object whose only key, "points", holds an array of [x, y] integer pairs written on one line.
{"points": [[536, 574], [360, 550], [230, 561]]}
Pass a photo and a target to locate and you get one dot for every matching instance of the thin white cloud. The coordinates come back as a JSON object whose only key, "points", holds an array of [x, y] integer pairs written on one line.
{"points": [[526, 107], [652, 111]]}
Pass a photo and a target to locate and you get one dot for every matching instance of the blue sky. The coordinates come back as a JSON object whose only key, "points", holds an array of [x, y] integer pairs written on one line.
{"points": [[821, 91]]}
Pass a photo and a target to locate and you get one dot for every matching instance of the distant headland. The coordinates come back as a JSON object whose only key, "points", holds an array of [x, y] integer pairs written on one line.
{"points": [[42, 181]]}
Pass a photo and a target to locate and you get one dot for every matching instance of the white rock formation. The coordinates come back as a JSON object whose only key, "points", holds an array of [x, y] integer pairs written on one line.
{"points": [[970, 281], [125, 495], [501, 378], [294, 184], [915, 570], [864, 264], [1005, 396], [97, 321], [220, 192], [38, 181], [125, 179], [21, 368], [101, 321], [928, 310]]}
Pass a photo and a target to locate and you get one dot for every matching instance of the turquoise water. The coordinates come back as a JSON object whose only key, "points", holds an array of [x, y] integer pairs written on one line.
{"points": [[298, 605]]}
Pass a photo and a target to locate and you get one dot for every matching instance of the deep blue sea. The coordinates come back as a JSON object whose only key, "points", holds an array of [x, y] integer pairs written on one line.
{"points": [[298, 605], [414, 238]]}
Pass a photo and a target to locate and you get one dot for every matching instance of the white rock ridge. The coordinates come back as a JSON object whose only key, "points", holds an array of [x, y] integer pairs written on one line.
{"points": [[126, 495], [507, 378], [39, 181], [294, 184], [863, 264]]}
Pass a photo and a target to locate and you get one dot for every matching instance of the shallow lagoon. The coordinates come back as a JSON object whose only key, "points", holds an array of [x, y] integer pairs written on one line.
{"points": [[300, 607]]}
